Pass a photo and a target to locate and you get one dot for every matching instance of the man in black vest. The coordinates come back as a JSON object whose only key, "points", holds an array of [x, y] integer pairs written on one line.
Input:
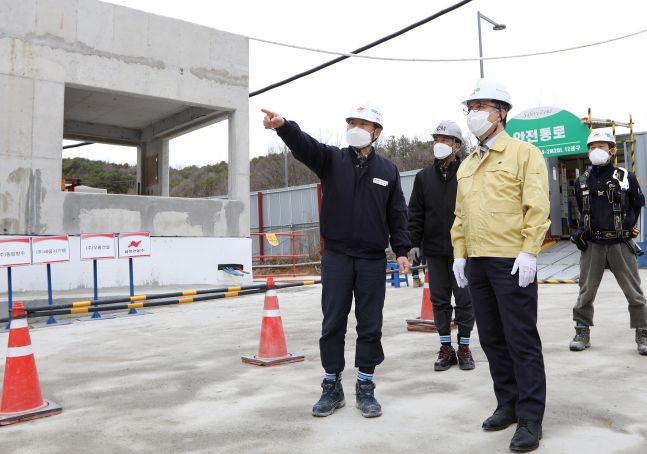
{"points": [[431, 216], [362, 211], [610, 200]]}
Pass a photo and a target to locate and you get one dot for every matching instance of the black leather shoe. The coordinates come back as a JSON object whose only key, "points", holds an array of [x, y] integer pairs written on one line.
{"points": [[527, 436], [500, 419]]}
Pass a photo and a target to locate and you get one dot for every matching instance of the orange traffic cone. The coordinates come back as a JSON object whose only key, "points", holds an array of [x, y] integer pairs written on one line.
{"points": [[22, 399], [425, 322], [272, 349]]}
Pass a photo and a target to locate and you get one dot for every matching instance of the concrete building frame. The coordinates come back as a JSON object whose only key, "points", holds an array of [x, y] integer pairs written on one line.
{"points": [[93, 71]]}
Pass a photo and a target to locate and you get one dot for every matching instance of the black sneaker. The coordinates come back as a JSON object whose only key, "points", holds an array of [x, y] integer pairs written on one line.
{"points": [[365, 400], [446, 358], [465, 360], [332, 398]]}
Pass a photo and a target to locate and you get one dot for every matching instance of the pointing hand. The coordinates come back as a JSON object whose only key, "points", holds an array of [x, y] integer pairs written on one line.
{"points": [[272, 120]]}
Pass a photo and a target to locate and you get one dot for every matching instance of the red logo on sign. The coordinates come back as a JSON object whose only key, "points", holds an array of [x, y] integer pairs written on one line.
{"points": [[134, 243]]}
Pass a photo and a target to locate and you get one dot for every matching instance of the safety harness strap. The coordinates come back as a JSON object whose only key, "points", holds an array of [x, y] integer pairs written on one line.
{"points": [[609, 234], [586, 201], [617, 199]]}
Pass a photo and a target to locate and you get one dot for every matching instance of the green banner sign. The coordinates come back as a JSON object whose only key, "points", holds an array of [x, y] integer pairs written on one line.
{"points": [[556, 132]]}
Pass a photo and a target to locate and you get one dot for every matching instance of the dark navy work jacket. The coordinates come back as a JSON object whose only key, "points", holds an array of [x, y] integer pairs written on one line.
{"points": [[601, 208], [362, 207], [431, 208]]}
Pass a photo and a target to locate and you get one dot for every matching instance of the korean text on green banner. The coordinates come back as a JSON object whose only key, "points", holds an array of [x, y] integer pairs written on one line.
{"points": [[555, 131]]}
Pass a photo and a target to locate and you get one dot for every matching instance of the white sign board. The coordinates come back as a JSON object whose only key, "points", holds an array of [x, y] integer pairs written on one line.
{"points": [[97, 246], [50, 249], [137, 244], [15, 251]]}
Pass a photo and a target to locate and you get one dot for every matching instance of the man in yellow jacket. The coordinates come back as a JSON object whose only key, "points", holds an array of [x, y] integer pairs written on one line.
{"points": [[502, 212]]}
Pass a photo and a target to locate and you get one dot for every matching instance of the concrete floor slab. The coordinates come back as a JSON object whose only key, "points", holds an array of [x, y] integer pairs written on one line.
{"points": [[174, 382]]}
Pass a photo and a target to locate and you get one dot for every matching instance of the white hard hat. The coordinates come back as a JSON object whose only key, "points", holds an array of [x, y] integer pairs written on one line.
{"points": [[368, 111], [489, 89], [601, 136], [448, 128]]}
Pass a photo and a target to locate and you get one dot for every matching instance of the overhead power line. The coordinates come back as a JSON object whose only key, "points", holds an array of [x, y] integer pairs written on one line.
{"points": [[442, 60], [361, 49], [82, 144]]}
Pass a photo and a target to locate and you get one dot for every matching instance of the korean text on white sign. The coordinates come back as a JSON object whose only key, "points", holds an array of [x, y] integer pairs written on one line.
{"points": [[50, 249], [15, 251], [98, 246], [137, 244]]}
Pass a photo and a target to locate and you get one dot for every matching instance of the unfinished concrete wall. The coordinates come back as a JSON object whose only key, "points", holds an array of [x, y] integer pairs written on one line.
{"points": [[88, 70]]}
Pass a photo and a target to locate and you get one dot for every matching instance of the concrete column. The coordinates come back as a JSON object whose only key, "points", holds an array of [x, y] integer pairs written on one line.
{"points": [[141, 169], [154, 156], [30, 154], [239, 165]]}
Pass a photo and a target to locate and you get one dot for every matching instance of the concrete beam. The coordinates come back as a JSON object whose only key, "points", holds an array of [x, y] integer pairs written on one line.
{"points": [[77, 130], [168, 127]]}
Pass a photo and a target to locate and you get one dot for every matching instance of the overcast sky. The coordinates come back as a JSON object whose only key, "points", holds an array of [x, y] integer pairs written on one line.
{"points": [[415, 96]]}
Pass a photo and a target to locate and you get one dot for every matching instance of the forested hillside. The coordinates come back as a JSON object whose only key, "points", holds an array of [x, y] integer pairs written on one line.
{"points": [[266, 172]]}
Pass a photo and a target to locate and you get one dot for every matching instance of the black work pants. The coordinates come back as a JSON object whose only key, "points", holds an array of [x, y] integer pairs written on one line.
{"points": [[506, 318], [442, 283], [341, 277]]}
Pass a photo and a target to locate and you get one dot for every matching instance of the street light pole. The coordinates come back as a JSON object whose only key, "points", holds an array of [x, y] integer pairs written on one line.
{"points": [[480, 43], [496, 27], [286, 168]]}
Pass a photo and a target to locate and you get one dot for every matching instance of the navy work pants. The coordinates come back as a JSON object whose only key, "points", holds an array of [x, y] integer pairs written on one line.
{"points": [[442, 283], [341, 277], [506, 318]]}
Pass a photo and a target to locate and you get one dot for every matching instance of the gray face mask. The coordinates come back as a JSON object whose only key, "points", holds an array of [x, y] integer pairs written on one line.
{"points": [[358, 138]]}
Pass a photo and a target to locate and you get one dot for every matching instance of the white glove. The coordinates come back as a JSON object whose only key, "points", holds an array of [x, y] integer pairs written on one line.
{"points": [[459, 272], [415, 254], [527, 265]]}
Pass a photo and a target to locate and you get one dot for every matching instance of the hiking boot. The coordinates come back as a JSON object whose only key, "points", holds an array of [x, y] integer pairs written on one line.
{"points": [[417, 282], [582, 338], [527, 436], [465, 360], [332, 398], [365, 400], [641, 340], [446, 358]]}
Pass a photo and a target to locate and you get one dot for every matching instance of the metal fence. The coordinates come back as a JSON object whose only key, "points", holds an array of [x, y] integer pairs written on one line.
{"points": [[295, 209]]}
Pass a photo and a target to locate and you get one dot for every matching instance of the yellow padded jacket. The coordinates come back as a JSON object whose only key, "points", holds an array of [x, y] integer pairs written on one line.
{"points": [[502, 203]]}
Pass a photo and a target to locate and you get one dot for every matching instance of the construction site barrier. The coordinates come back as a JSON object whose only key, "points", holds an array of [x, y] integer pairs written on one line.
{"points": [[539, 281], [557, 281], [294, 256], [135, 302], [421, 267]]}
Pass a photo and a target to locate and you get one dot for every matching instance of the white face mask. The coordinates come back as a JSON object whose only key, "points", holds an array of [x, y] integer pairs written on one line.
{"points": [[599, 157], [358, 138], [441, 151], [477, 122]]}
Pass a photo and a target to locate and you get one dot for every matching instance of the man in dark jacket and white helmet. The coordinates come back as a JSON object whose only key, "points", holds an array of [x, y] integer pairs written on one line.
{"points": [[431, 216], [363, 210]]}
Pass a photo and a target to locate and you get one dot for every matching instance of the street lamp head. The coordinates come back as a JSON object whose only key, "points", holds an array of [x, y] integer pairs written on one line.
{"points": [[498, 27]]}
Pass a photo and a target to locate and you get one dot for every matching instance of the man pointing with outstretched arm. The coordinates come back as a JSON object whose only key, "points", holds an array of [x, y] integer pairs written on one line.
{"points": [[362, 211]]}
